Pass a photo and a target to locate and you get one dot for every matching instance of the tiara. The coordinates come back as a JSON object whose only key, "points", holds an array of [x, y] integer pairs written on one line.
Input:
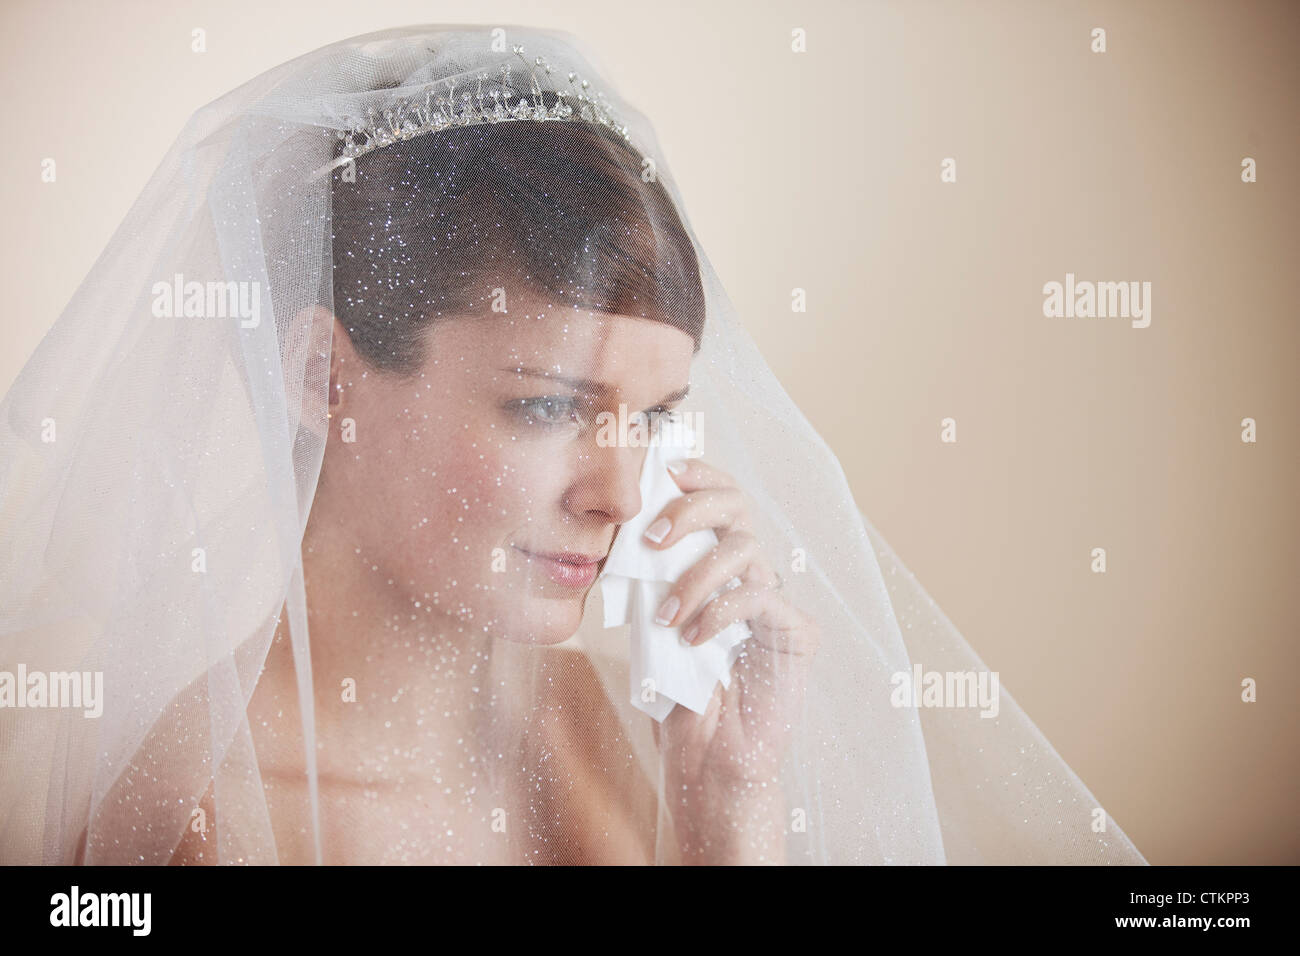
{"points": [[432, 110]]}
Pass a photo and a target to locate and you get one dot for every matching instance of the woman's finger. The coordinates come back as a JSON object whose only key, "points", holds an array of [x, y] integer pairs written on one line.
{"points": [[730, 558], [774, 621], [695, 474], [723, 510]]}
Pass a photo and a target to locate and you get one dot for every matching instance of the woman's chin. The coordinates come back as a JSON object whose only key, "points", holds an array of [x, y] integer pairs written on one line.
{"points": [[544, 620], [538, 637]]}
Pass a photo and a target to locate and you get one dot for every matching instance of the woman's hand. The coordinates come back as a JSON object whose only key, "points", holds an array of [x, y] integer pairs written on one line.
{"points": [[723, 767]]}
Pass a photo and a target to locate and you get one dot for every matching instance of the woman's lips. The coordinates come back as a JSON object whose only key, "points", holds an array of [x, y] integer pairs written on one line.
{"points": [[570, 570]]}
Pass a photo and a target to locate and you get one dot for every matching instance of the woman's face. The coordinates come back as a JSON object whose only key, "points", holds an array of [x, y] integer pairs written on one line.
{"points": [[461, 480]]}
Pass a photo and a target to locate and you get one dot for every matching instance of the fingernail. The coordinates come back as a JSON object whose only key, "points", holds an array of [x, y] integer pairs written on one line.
{"points": [[691, 631], [666, 612], [678, 466], [659, 530]]}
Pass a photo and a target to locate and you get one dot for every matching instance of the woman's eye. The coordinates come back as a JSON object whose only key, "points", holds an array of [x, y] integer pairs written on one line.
{"points": [[661, 415], [547, 410]]}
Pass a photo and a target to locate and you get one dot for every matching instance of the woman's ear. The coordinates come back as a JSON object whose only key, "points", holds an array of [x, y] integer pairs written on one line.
{"points": [[330, 344], [337, 362], [345, 367]]}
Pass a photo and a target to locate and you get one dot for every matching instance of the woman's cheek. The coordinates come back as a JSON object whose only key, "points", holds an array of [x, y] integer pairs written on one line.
{"points": [[484, 482], [532, 477]]}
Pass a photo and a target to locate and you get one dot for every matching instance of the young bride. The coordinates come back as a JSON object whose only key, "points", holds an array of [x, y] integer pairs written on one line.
{"points": [[337, 566], [474, 506]]}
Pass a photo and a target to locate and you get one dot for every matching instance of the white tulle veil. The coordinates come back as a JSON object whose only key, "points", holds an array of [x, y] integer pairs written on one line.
{"points": [[158, 470]]}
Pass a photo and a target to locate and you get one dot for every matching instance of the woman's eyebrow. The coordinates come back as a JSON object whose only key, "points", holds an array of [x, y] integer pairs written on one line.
{"points": [[590, 385]]}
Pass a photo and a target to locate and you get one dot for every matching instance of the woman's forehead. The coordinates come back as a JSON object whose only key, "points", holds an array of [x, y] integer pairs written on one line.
{"points": [[566, 343]]}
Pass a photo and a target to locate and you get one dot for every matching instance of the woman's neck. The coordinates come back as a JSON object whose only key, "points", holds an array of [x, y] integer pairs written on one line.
{"points": [[390, 679]]}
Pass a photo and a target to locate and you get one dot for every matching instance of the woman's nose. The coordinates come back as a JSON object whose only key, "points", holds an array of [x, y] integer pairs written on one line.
{"points": [[608, 483]]}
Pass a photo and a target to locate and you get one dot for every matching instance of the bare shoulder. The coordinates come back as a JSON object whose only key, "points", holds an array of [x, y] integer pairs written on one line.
{"points": [[592, 722], [617, 814], [198, 845]]}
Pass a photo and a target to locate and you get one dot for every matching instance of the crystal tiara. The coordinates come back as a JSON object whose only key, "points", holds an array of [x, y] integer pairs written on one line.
{"points": [[434, 110]]}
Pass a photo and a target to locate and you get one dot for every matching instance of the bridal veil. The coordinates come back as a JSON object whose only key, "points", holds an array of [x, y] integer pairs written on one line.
{"points": [[161, 453]]}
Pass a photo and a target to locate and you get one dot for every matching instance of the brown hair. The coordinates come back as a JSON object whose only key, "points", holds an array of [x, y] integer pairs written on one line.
{"points": [[433, 224]]}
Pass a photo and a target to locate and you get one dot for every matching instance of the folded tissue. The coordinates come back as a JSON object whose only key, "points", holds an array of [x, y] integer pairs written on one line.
{"points": [[636, 580]]}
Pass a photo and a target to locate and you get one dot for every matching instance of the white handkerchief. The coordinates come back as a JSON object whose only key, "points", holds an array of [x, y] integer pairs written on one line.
{"points": [[637, 578]]}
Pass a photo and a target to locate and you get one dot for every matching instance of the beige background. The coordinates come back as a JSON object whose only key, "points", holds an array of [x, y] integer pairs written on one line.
{"points": [[821, 171]]}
